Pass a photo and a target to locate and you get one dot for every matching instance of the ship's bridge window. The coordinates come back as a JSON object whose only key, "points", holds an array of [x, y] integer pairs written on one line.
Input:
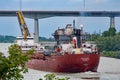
{"points": [[23, 46], [29, 46], [88, 47]]}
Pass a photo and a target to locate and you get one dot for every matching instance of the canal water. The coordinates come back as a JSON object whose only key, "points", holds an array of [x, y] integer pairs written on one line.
{"points": [[109, 69], [35, 75]]}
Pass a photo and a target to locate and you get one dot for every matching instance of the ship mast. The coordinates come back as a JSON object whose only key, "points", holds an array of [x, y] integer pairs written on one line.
{"points": [[78, 33]]}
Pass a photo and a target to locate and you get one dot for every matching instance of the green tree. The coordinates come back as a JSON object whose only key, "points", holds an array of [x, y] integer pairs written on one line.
{"points": [[53, 77], [12, 67], [118, 33], [112, 31], [92, 37], [109, 43], [105, 34]]}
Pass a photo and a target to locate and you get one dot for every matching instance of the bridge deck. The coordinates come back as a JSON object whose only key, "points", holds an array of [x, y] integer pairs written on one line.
{"points": [[45, 14]]}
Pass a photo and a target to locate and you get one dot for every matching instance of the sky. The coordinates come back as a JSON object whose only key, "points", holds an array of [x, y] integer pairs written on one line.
{"points": [[10, 26]]}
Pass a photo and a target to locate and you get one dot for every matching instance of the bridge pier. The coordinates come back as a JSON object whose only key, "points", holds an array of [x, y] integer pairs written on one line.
{"points": [[112, 22], [36, 31]]}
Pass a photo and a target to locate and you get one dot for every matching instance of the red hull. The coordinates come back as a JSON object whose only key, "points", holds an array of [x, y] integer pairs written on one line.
{"points": [[66, 63]]}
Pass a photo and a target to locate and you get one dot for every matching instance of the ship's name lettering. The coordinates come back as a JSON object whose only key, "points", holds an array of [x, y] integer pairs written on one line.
{"points": [[85, 59]]}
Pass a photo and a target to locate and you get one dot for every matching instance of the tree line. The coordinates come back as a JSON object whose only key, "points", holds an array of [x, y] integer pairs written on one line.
{"points": [[11, 39], [7, 39], [108, 42]]}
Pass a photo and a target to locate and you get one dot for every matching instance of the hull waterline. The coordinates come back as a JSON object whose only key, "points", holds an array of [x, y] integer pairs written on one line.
{"points": [[66, 63]]}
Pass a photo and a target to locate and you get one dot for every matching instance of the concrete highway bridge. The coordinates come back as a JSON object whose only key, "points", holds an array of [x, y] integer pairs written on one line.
{"points": [[45, 14]]}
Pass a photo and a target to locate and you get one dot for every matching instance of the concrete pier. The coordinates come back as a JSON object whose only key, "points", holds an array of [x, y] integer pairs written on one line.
{"points": [[112, 22], [36, 31]]}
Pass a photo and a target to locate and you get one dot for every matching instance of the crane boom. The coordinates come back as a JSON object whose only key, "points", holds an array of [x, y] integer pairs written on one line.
{"points": [[24, 29]]}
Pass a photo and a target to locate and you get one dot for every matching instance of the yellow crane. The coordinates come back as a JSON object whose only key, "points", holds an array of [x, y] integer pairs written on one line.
{"points": [[24, 29]]}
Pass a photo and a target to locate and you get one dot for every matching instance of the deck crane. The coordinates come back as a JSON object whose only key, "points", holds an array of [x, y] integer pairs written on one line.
{"points": [[24, 29]]}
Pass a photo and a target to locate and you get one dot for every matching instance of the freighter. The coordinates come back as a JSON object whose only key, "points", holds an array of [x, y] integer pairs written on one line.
{"points": [[69, 54]]}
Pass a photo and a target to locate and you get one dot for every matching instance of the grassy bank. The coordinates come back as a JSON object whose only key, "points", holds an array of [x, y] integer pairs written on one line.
{"points": [[113, 54]]}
